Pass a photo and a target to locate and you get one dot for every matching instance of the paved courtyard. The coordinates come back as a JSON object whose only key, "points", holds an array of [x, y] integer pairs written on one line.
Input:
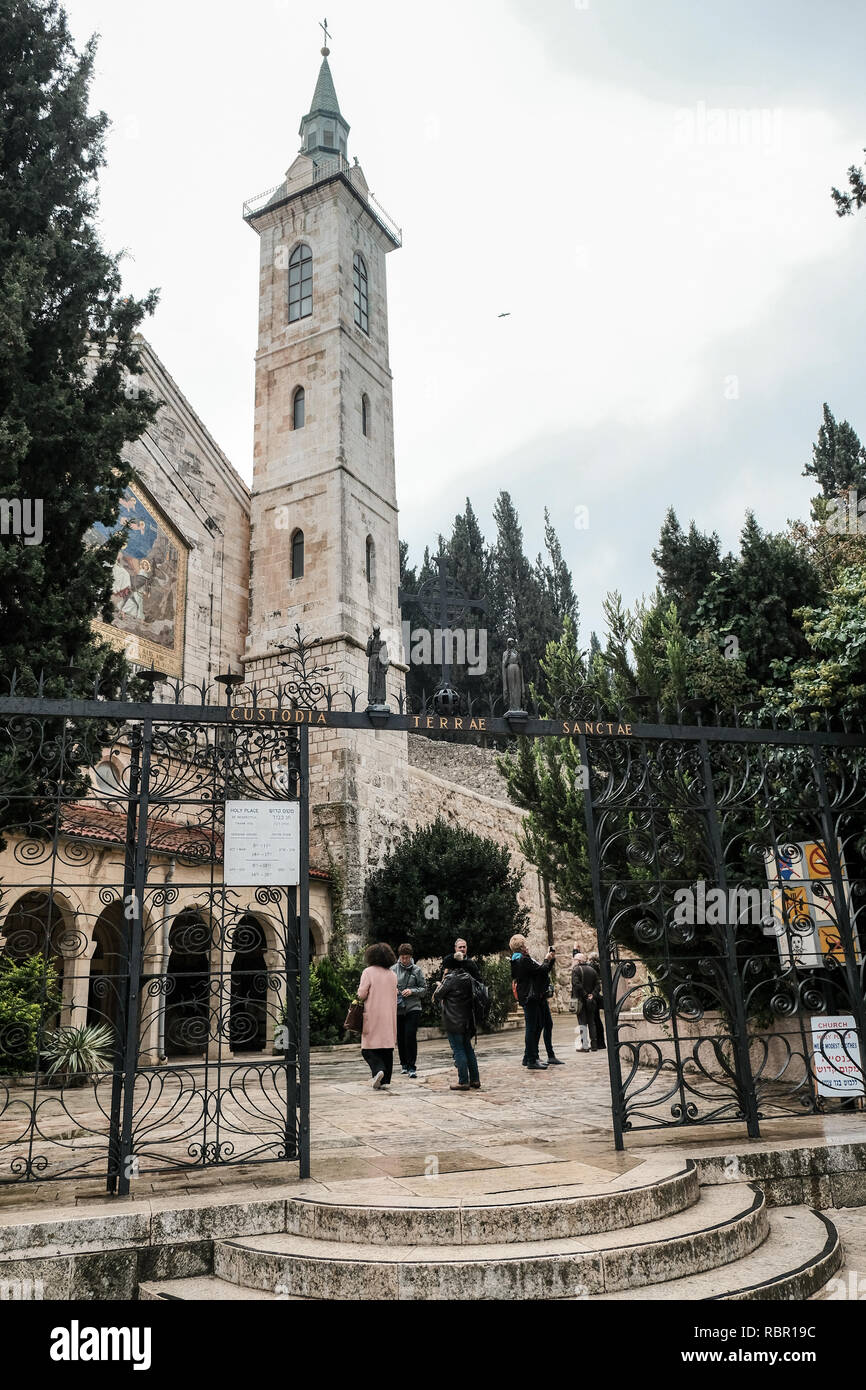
{"points": [[522, 1130]]}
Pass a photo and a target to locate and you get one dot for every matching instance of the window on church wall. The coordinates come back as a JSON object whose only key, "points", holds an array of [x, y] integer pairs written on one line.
{"points": [[300, 284], [371, 560], [362, 302], [298, 555], [365, 416], [328, 139], [299, 409]]}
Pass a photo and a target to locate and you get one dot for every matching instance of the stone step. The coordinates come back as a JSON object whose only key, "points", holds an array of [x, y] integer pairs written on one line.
{"points": [[801, 1253], [724, 1225], [523, 1216], [204, 1289]]}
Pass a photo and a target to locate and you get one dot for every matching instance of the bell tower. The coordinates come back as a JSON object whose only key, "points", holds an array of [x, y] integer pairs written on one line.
{"points": [[324, 542]]}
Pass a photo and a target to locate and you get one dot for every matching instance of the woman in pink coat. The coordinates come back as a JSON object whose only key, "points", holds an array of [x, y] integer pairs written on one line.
{"points": [[378, 990]]}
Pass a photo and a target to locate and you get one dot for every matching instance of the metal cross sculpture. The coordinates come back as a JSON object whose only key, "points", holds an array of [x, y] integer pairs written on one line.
{"points": [[444, 605], [324, 28]]}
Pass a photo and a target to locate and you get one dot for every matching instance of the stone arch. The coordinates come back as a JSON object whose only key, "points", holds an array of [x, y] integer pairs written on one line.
{"points": [[317, 939], [107, 966], [248, 1007], [40, 922], [187, 994]]}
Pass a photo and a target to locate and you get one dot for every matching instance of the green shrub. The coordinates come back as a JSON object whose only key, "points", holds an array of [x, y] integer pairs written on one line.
{"points": [[496, 975], [29, 997], [443, 881], [333, 985]]}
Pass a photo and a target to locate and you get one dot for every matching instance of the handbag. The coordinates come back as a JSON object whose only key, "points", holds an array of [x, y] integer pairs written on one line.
{"points": [[355, 1017]]}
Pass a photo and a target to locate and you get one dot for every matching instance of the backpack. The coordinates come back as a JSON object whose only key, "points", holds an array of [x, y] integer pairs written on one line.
{"points": [[480, 1003]]}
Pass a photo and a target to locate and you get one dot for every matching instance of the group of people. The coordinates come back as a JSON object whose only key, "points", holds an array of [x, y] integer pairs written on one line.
{"points": [[392, 990]]}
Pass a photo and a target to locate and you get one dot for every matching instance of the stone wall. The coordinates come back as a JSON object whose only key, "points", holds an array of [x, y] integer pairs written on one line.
{"points": [[462, 784]]}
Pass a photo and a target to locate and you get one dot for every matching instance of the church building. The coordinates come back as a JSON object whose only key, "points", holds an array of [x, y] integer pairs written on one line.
{"points": [[218, 577]]}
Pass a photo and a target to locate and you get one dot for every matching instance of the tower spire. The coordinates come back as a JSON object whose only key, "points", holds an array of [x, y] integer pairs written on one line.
{"points": [[324, 131]]}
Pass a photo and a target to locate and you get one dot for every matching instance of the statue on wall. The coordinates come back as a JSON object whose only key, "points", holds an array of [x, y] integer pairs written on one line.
{"points": [[378, 665], [512, 678]]}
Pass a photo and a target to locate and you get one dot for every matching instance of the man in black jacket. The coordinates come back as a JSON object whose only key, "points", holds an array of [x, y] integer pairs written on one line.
{"points": [[532, 980], [586, 991], [462, 950], [454, 995]]}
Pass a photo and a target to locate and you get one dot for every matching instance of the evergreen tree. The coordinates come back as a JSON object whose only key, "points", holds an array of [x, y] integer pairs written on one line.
{"points": [[686, 564], [522, 604], [468, 555], [68, 357], [557, 577], [833, 677], [755, 598], [838, 458]]}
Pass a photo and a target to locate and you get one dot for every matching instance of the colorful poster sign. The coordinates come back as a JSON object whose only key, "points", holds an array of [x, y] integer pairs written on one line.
{"points": [[804, 911]]}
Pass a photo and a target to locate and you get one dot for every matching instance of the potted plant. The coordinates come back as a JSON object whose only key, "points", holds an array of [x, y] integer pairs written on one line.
{"points": [[77, 1055]]}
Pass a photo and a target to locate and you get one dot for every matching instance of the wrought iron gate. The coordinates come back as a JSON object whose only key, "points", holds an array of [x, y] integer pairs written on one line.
{"points": [[152, 1018], [732, 862]]}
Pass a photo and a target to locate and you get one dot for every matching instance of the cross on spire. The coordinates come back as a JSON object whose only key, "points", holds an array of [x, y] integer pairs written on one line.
{"points": [[444, 605], [324, 27]]}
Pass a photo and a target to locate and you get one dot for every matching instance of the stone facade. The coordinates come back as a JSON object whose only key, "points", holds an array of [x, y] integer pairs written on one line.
{"points": [[183, 470]]}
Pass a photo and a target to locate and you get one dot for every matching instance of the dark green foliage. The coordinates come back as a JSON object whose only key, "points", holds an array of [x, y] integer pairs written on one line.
{"points": [[496, 975], [838, 458], [29, 998], [686, 564], [333, 985], [69, 396], [833, 677], [68, 354], [849, 203], [440, 882], [756, 597], [741, 608], [526, 600]]}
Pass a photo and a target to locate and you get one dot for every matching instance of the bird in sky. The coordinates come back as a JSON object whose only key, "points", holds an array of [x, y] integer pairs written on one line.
{"points": [[505, 316]]}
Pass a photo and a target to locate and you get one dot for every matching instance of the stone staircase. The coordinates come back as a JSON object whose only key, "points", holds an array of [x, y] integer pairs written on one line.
{"points": [[661, 1236]]}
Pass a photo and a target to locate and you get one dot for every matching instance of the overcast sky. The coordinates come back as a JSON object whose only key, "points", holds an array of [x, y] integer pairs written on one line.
{"points": [[643, 185]]}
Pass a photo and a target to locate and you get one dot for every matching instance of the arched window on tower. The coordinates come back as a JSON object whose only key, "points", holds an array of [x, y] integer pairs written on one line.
{"points": [[365, 415], [299, 409], [300, 283], [298, 555], [362, 301], [371, 560]]}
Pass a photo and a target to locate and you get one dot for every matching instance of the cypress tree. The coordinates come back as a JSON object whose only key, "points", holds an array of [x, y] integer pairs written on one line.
{"points": [[69, 358], [686, 564], [838, 458]]}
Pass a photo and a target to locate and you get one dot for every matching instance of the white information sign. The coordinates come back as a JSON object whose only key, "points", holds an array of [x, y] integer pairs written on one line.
{"points": [[836, 1060], [262, 844]]}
